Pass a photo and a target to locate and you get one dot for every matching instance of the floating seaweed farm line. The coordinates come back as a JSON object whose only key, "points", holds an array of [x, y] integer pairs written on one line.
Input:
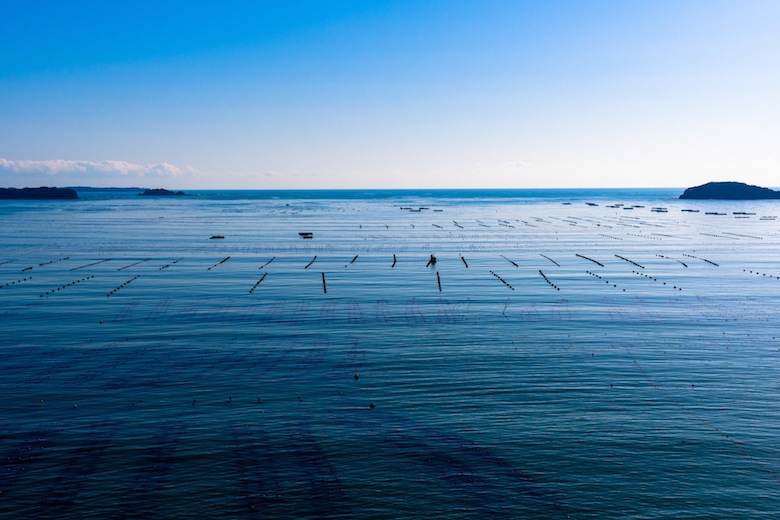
{"points": [[258, 283], [70, 284], [596, 275], [502, 280], [548, 281], [166, 266], [703, 259], [589, 259], [51, 261], [133, 264], [654, 279], [716, 236], [670, 258], [219, 263], [630, 261], [122, 286], [651, 237], [90, 265], [624, 224], [21, 280], [651, 225], [762, 274], [742, 236]]}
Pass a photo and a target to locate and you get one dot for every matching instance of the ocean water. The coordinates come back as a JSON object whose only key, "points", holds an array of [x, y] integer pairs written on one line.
{"points": [[571, 354]]}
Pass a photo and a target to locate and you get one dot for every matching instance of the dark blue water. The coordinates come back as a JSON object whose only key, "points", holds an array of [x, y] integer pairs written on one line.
{"points": [[565, 356]]}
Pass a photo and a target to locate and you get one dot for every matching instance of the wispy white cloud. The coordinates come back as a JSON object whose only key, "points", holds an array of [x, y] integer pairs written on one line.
{"points": [[62, 167], [517, 164]]}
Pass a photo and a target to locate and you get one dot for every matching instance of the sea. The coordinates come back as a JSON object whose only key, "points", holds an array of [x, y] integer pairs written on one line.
{"points": [[386, 354]]}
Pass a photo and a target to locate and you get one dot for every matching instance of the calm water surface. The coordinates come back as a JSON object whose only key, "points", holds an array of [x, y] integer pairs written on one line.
{"points": [[560, 360]]}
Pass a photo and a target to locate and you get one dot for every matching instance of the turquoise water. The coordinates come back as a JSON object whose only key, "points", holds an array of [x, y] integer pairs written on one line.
{"points": [[561, 359]]}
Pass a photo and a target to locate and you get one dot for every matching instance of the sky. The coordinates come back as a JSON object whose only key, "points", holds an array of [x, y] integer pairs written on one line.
{"points": [[389, 94]]}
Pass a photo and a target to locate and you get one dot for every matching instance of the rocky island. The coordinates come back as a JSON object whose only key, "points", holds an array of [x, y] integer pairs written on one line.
{"points": [[42, 193], [161, 193], [729, 191]]}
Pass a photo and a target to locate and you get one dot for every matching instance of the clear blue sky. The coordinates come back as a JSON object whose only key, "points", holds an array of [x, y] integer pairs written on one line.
{"points": [[381, 94]]}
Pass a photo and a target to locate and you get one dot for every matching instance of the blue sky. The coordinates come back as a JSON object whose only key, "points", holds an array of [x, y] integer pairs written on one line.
{"points": [[386, 94]]}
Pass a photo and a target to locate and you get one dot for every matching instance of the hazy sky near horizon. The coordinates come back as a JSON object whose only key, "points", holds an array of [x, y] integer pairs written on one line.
{"points": [[389, 94]]}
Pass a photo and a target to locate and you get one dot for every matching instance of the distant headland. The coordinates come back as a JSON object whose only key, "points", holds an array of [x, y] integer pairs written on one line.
{"points": [[98, 188], [42, 193], [729, 191], [161, 193]]}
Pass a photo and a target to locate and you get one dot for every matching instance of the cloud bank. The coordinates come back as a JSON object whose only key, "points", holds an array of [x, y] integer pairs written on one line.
{"points": [[91, 169]]}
